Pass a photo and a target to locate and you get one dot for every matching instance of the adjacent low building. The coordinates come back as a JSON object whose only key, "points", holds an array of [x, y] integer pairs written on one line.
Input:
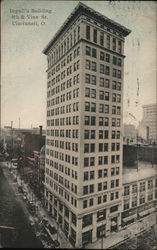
{"points": [[139, 192]]}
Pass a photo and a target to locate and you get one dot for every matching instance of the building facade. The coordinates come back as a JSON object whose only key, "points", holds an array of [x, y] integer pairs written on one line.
{"points": [[83, 172], [149, 123], [139, 192]]}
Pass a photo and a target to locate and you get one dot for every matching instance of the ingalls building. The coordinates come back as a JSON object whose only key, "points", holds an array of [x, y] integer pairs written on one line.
{"points": [[83, 172]]}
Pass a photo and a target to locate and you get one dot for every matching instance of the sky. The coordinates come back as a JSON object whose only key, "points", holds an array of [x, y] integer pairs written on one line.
{"points": [[23, 69]]}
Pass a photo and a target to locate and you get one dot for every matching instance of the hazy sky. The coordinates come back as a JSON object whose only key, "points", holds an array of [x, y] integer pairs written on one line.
{"points": [[23, 64]]}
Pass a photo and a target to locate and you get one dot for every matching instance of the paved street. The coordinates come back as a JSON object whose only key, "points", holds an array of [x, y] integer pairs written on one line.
{"points": [[41, 213]]}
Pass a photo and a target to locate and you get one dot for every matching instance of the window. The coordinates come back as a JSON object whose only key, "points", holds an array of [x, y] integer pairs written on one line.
{"points": [[92, 134], [106, 122], [107, 70], [106, 96], [87, 92], [94, 53], [142, 199], [119, 62], [93, 93], [101, 38], [88, 32], [87, 220], [99, 199], [119, 74], [106, 109], [100, 134], [107, 83], [126, 205], [134, 188], [91, 188], [94, 66], [91, 202], [85, 204], [108, 42], [87, 106], [93, 80], [85, 190], [92, 161], [102, 56], [101, 83], [87, 64], [86, 162], [85, 176], [102, 68], [93, 120], [112, 196], [101, 215], [126, 190], [100, 186], [87, 78], [87, 120], [100, 173], [142, 186], [120, 47], [134, 202], [100, 121], [86, 134], [150, 184], [114, 60], [95, 36], [101, 95], [107, 58], [114, 209], [114, 73], [114, 44], [93, 107], [88, 51]]}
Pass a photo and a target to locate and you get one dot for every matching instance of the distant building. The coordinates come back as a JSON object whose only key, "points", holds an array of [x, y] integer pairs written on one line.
{"points": [[148, 125], [83, 172], [129, 134], [139, 192]]}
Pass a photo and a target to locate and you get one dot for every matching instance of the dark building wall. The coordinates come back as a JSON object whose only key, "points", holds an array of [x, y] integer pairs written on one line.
{"points": [[32, 142], [144, 153], [129, 155]]}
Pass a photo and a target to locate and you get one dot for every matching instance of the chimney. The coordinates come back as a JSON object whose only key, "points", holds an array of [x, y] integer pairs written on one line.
{"points": [[40, 130]]}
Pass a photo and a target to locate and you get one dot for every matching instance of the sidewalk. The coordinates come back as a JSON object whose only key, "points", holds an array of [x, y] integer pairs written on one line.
{"points": [[130, 232]]}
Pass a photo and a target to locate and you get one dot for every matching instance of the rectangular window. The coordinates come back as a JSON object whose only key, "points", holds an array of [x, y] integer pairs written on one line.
{"points": [[101, 38], [95, 36], [93, 80], [107, 70], [88, 64], [102, 56], [107, 58], [101, 83], [88, 32], [88, 51], [107, 83], [94, 53], [87, 78], [94, 66]]}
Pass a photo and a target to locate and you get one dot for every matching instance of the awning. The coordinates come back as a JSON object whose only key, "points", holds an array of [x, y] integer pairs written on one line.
{"points": [[151, 210], [134, 216], [143, 213]]}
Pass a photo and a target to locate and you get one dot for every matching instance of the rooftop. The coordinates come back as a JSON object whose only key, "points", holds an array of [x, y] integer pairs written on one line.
{"points": [[84, 9], [145, 170]]}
